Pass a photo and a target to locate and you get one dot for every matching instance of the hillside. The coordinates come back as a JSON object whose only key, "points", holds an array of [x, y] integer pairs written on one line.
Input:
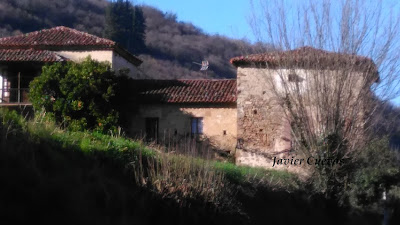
{"points": [[53, 176], [172, 46]]}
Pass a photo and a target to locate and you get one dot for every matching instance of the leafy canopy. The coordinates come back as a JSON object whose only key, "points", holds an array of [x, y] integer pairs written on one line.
{"points": [[78, 95]]}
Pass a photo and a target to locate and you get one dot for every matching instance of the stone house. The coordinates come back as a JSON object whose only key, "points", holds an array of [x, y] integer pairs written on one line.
{"points": [[178, 109], [241, 116], [264, 130], [22, 56]]}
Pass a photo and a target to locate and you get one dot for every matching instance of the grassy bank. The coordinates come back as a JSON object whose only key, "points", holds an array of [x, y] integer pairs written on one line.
{"points": [[55, 176], [81, 168]]}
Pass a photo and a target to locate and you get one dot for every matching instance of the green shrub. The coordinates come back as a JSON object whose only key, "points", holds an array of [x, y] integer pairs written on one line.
{"points": [[79, 95], [377, 171], [10, 122]]}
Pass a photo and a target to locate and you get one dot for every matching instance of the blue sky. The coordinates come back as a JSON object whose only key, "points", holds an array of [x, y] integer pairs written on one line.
{"points": [[223, 17]]}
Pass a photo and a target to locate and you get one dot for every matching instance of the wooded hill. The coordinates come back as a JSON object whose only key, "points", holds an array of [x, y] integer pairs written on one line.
{"points": [[171, 46]]}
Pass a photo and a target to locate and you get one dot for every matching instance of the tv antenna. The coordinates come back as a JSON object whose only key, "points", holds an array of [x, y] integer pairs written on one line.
{"points": [[204, 65]]}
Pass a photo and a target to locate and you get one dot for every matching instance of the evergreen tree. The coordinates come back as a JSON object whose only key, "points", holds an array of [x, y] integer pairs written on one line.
{"points": [[139, 29], [125, 24]]}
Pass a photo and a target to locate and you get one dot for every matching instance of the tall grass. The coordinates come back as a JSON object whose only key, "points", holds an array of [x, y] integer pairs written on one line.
{"points": [[182, 172], [47, 165], [187, 168]]}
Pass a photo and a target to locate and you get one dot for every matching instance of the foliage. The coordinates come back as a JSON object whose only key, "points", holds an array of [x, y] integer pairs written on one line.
{"points": [[378, 171], [80, 95], [255, 176], [139, 31], [32, 15], [332, 179], [125, 24], [173, 46], [10, 118]]}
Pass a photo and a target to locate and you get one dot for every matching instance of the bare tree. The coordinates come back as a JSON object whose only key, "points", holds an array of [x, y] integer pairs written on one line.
{"points": [[331, 91]]}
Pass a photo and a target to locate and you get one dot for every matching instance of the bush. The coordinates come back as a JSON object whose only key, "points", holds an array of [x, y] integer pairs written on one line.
{"points": [[10, 118], [378, 171], [79, 95]]}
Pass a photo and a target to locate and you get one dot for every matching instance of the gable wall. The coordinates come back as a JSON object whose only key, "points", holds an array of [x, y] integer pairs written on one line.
{"points": [[264, 131], [76, 56], [117, 62]]}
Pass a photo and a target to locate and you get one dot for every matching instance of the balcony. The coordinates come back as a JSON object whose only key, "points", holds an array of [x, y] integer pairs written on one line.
{"points": [[14, 97]]}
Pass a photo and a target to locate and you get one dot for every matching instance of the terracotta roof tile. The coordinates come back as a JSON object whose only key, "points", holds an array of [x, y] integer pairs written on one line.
{"points": [[57, 36], [305, 57], [31, 55], [187, 91], [64, 38]]}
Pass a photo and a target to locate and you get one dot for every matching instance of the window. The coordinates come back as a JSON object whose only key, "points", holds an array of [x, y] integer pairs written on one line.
{"points": [[197, 125], [4, 90]]}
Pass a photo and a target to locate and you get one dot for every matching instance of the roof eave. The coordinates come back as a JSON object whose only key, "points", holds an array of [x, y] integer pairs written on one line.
{"points": [[127, 55], [121, 51]]}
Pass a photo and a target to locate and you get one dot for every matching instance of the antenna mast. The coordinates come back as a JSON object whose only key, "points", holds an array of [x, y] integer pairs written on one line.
{"points": [[204, 65]]}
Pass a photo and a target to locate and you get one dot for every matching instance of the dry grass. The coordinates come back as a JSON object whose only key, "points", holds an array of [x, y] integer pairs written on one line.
{"points": [[185, 172]]}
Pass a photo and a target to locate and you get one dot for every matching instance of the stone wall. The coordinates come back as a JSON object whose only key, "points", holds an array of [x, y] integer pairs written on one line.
{"points": [[264, 130], [261, 121], [219, 122]]}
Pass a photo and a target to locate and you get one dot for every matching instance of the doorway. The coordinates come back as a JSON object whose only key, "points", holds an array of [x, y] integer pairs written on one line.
{"points": [[152, 129]]}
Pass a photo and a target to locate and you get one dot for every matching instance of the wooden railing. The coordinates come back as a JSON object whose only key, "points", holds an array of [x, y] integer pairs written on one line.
{"points": [[14, 96]]}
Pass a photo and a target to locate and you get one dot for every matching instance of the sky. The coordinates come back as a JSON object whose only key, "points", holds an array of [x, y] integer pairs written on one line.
{"points": [[224, 17]]}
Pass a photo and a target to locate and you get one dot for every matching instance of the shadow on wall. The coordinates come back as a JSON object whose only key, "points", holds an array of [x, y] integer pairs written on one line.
{"points": [[182, 135]]}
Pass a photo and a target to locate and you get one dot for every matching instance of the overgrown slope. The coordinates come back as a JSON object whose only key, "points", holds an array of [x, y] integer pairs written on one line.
{"points": [[52, 176]]}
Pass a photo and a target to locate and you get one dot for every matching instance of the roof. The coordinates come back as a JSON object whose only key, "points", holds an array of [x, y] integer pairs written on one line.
{"points": [[187, 91], [64, 38], [305, 57], [57, 36], [31, 55]]}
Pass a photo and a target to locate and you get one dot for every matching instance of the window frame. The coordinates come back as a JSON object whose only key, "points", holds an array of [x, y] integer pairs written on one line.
{"points": [[195, 129]]}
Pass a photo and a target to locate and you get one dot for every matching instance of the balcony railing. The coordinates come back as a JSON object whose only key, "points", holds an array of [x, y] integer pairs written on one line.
{"points": [[12, 96]]}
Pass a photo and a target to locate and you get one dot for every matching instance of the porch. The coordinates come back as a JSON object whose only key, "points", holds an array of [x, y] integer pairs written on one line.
{"points": [[14, 96], [14, 83]]}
